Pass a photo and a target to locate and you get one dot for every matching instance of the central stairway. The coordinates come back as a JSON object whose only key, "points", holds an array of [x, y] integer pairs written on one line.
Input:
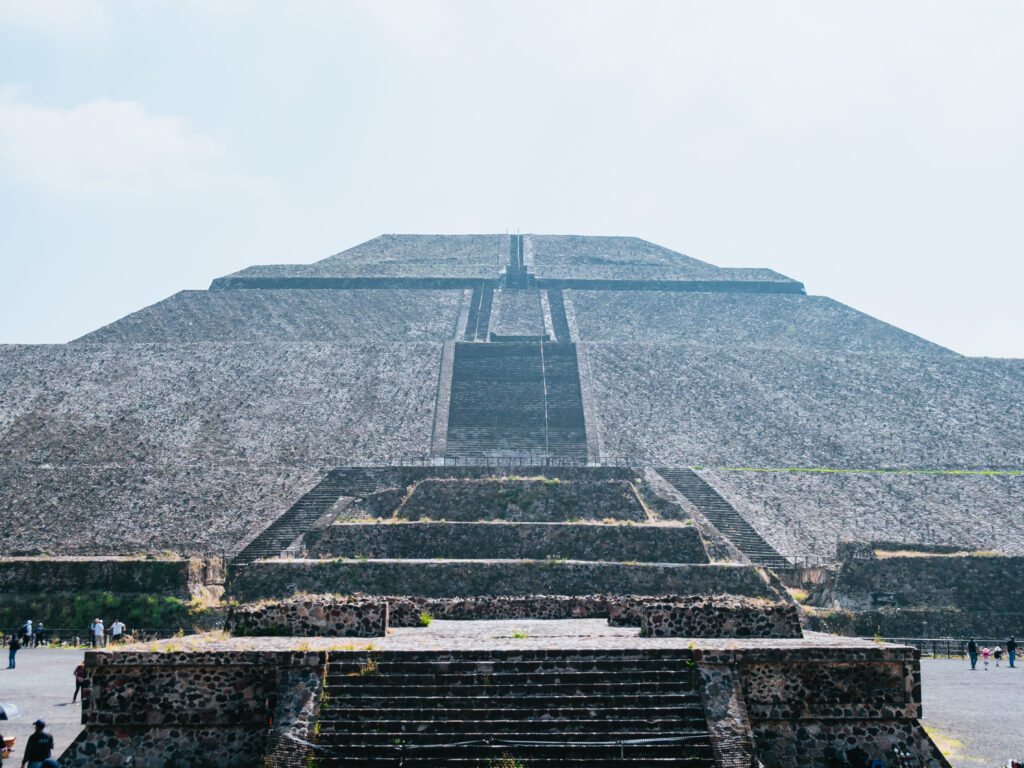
{"points": [[536, 707]]}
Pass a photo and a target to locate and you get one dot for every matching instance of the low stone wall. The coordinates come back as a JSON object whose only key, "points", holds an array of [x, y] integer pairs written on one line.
{"points": [[620, 610], [458, 578], [325, 616], [720, 616], [808, 703], [407, 611], [192, 708], [579, 541]]}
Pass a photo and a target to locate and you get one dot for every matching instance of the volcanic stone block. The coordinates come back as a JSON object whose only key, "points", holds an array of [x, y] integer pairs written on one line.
{"points": [[721, 616], [325, 616]]}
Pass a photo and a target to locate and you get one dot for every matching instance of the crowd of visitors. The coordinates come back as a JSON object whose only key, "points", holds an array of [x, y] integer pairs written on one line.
{"points": [[995, 654], [33, 635]]}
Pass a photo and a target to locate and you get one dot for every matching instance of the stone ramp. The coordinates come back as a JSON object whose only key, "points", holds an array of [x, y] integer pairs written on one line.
{"points": [[543, 708], [721, 514]]}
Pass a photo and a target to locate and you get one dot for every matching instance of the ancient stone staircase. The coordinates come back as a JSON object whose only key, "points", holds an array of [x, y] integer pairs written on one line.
{"points": [[307, 510], [723, 516], [497, 400], [567, 432], [516, 398], [540, 708]]}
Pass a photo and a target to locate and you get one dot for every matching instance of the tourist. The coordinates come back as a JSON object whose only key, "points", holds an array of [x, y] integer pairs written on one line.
{"points": [[1011, 650], [12, 649], [40, 635], [972, 652], [98, 633], [998, 653], [38, 748], [79, 679], [26, 632], [985, 653], [117, 631]]}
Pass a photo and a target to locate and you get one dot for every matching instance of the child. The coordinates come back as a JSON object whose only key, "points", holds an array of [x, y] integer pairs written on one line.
{"points": [[998, 653], [985, 653]]}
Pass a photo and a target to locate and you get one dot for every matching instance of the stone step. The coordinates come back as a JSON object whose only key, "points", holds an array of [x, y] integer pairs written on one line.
{"points": [[543, 677], [505, 709], [385, 726]]}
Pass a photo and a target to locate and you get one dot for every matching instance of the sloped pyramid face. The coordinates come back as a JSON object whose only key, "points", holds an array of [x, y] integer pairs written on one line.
{"points": [[192, 424]]}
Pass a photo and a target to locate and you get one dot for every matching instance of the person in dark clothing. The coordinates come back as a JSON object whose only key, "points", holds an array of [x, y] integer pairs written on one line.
{"points": [[1011, 650], [12, 649], [79, 679], [972, 652], [38, 748]]}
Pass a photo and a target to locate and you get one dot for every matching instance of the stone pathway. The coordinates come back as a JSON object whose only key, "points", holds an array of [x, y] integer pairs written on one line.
{"points": [[976, 718], [41, 685]]}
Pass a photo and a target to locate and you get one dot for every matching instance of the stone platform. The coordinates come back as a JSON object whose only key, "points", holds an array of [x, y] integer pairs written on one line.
{"points": [[788, 702]]}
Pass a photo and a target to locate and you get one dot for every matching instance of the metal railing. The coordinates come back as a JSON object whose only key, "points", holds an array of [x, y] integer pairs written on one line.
{"points": [[63, 637], [945, 647]]}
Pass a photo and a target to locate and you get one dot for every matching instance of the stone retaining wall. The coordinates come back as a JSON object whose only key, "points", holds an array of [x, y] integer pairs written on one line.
{"points": [[966, 583], [191, 708], [807, 703], [579, 541], [459, 578], [324, 616], [721, 616], [172, 577], [544, 500]]}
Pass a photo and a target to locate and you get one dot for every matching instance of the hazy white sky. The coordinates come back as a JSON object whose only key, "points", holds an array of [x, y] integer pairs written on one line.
{"points": [[872, 150]]}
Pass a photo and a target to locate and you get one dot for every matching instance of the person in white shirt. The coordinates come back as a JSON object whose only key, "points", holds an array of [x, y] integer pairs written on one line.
{"points": [[117, 631], [97, 633]]}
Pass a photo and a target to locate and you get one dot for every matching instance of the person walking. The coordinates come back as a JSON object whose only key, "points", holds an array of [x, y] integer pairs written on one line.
{"points": [[40, 635], [12, 649], [38, 748], [1011, 651], [26, 632], [972, 653], [79, 679]]}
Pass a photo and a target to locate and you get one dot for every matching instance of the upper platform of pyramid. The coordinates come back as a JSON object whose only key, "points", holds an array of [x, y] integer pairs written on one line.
{"points": [[487, 257]]}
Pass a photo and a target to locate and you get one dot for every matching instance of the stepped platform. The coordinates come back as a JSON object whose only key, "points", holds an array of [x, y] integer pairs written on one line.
{"points": [[580, 541], [439, 577], [566, 692]]}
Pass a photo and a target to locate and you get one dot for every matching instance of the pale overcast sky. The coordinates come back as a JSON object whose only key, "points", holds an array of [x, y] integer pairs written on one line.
{"points": [[872, 150]]}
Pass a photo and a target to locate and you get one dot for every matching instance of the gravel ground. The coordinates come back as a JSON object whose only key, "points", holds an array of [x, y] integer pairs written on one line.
{"points": [[41, 685], [976, 718]]}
